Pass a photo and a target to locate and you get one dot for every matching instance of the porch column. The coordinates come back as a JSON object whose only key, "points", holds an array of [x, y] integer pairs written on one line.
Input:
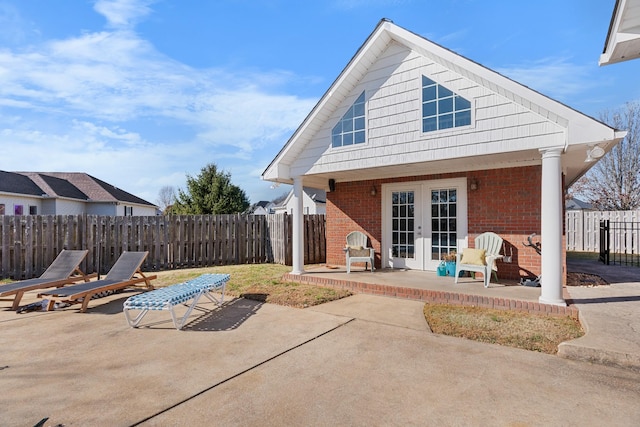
{"points": [[551, 223], [298, 230]]}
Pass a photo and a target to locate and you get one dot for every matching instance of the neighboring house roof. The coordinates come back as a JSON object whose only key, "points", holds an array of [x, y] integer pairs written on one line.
{"points": [[623, 37], [261, 205], [317, 195], [58, 187], [574, 204], [11, 182], [73, 185], [556, 125]]}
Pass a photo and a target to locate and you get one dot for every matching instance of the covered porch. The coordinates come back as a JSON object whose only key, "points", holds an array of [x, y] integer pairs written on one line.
{"points": [[427, 286]]}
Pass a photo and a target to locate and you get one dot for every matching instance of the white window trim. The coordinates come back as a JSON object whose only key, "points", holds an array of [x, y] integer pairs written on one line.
{"points": [[366, 127]]}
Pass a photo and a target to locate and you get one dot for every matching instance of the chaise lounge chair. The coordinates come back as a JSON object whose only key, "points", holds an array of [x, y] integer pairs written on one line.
{"points": [[171, 296], [120, 276], [60, 273]]}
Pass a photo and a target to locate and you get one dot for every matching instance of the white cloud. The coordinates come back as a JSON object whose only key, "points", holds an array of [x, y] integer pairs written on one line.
{"points": [[123, 13], [554, 77], [109, 104]]}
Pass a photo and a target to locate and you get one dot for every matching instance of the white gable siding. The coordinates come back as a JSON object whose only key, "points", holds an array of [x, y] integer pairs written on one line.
{"points": [[394, 120]]}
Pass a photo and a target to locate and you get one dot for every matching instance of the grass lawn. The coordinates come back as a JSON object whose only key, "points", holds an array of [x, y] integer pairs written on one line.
{"points": [[504, 327], [260, 282]]}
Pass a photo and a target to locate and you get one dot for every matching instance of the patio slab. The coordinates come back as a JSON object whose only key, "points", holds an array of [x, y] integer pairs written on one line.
{"points": [[93, 369]]}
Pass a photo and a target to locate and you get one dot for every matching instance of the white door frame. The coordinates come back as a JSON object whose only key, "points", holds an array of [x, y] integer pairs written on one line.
{"points": [[424, 238]]}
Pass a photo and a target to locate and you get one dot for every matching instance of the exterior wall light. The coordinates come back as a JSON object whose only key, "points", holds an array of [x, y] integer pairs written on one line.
{"points": [[373, 190], [594, 153]]}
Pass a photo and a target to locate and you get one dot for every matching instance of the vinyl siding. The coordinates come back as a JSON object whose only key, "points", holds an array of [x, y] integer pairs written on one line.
{"points": [[394, 120]]}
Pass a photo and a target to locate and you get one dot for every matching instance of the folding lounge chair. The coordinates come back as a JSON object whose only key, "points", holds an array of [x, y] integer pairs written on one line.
{"points": [[119, 277], [60, 273], [171, 296]]}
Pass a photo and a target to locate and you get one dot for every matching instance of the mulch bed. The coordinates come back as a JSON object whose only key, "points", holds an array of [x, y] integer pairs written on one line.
{"points": [[584, 279]]}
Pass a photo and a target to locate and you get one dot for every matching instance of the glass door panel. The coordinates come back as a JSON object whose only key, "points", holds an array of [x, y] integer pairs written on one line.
{"points": [[443, 222], [406, 229]]}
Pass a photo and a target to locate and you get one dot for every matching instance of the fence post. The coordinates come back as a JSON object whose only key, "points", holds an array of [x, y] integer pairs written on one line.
{"points": [[604, 241]]}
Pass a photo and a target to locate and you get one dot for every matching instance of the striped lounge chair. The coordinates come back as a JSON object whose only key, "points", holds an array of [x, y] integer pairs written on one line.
{"points": [[171, 296]]}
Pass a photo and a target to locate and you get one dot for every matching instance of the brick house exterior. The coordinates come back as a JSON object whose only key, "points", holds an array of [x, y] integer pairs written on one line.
{"points": [[423, 150]]}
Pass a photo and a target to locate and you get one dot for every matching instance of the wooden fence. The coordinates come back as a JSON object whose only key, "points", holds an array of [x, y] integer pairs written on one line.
{"points": [[28, 244], [582, 230]]}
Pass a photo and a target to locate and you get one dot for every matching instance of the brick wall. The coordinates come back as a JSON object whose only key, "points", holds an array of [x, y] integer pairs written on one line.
{"points": [[506, 202]]}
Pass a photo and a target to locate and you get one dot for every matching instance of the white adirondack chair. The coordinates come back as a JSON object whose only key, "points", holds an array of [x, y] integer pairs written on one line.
{"points": [[492, 244], [357, 250]]}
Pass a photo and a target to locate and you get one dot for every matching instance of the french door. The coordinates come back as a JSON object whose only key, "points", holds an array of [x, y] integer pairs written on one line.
{"points": [[422, 221]]}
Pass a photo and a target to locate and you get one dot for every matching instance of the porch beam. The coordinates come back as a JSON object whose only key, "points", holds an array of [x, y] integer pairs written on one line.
{"points": [[551, 224], [298, 227]]}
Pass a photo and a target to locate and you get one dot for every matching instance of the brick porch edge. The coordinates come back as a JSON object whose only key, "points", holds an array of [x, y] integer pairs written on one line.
{"points": [[428, 295]]}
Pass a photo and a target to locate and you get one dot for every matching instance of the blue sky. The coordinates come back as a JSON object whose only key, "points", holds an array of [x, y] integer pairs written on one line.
{"points": [[142, 93]]}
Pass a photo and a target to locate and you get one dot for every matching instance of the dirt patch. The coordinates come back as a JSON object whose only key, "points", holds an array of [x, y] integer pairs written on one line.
{"points": [[585, 279]]}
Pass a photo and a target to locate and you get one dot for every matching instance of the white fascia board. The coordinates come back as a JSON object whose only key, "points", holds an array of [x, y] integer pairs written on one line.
{"points": [[278, 172], [623, 37]]}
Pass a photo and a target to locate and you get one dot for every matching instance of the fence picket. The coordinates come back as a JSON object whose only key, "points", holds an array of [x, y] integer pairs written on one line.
{"points": [[28, 244]]}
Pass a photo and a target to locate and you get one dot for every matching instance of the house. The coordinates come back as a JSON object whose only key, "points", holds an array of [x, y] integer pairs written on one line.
{"points": [[573, 204], [66, 193], [623, 37], [263, 207], [314, 202], [423, 149]]}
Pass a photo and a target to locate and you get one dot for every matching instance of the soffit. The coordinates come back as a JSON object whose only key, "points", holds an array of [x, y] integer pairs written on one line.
{"points": [[623, 38]]}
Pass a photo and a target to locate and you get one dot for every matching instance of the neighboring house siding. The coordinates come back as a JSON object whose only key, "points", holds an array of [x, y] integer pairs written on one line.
{"points": [[67, 207], [108, 209], [348, 211], [393, 117], [11, 201], [135, 210]]}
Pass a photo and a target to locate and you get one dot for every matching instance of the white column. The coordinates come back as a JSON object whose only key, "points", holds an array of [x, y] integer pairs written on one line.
{"points": [[298, 229], [551, 223]]}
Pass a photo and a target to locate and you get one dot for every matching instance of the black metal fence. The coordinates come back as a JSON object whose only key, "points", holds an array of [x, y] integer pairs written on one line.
{"points": [[620, 243]]}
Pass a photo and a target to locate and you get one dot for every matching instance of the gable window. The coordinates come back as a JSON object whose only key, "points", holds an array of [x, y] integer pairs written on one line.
{"points": [[350, 129], [441, 108]]}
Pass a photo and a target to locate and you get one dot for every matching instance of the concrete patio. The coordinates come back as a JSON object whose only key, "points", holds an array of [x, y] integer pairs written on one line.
{"points": [[361, 360]]}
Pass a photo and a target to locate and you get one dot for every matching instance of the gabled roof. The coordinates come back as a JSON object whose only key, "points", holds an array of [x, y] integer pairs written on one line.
{"points": [[73, 185], [11, 182], [577, 204], [623, 37], [580, 129], [57, 187]]}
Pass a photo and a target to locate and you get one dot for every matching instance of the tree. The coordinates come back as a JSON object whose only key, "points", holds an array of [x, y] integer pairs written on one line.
{"points": [[166, 197], [211, 192], [614, 182]]}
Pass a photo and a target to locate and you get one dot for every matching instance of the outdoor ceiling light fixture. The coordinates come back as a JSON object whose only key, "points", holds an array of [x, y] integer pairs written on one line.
{"points": [[594, 153]]}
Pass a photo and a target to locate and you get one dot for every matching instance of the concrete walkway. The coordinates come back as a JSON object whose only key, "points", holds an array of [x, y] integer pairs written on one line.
{"points": [[363, 360], [609, 314]]}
